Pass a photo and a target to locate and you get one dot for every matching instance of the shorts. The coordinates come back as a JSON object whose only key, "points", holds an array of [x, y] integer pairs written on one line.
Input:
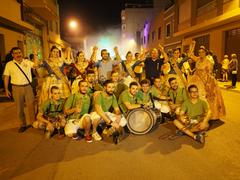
{"points": [[74, 124], [193, 123], [96, 117], [224, 70]]}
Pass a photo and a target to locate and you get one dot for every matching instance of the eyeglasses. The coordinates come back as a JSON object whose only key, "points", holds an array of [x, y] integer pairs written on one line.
{"points": [[193, 91]]}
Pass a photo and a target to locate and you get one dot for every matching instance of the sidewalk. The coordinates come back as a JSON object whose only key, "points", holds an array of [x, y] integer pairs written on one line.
{"points": [[225, 85]]}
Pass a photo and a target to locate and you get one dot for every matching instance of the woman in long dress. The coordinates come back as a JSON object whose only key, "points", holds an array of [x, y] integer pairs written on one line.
{"points": [[79, 70], [54, 66], [207, 84]]}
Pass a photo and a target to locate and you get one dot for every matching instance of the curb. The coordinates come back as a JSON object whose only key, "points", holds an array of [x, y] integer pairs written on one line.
{"points": [[232, 90]]}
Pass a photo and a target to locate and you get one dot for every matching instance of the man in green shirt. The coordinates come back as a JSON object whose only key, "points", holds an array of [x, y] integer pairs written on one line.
{"points": [[119, 86], [128, 99], [177, 95], [157, 90], [50, 115], [158, 93], [103, 102], [76, 108], [143, 95], [194, 116], [92, 84]]}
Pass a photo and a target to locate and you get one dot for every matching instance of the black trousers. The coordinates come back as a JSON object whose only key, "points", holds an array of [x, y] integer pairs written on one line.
{"points": [[234, 79]]}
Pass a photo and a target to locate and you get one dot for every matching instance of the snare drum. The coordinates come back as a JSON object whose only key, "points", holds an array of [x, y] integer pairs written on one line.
{"points": [[141, 120], [162, 106]]}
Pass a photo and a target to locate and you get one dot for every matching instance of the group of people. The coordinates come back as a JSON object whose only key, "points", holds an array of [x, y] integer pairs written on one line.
{"points": [[81, 94], [230, 67]]}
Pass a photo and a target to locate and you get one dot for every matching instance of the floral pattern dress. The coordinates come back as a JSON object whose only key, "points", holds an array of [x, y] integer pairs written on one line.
{"points": [[208, 87]]}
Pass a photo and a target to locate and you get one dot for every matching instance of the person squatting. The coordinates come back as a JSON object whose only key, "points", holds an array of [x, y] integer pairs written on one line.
{"points": [[85, 98]]}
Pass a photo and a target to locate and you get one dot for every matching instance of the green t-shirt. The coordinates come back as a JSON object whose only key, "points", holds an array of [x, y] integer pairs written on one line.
{"points": [[105, 101], [126, 97], [142, 97], [194, 111], [50, 109], [155, 92], [76, 100], [179, 97]]}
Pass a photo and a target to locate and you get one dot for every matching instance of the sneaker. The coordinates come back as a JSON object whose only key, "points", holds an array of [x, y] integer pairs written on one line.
{"points": [[22, 129], [76, 137], [115, 137], [96, 137], [88, 138], [29, 126], [200, 138]]}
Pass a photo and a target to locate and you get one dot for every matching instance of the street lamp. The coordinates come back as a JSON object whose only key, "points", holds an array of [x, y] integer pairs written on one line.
{"points": [[73, 24]]}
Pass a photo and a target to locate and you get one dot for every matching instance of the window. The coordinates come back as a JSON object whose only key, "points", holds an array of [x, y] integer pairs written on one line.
{"points": [[153, 36], [201, 41], [168, 30], [159, 33], [168, 4], [201, 3]]}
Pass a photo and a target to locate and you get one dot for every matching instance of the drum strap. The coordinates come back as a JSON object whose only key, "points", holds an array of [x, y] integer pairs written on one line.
{"points": [[151, 98], [175, 97]]}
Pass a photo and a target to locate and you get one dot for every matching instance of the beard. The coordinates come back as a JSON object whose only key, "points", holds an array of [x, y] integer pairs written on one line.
{"points": [[83, 92], [110, 93]]}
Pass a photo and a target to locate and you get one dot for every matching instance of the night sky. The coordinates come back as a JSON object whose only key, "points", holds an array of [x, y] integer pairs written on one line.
{"points": [[93, 15]]}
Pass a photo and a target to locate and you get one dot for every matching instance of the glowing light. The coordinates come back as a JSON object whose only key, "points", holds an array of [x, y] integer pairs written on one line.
{"points": [[73, 24]]}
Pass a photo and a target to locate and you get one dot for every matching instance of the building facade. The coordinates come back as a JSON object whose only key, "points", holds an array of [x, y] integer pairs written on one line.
{"points": [[29, 24], [133, 17], [212, 23]]}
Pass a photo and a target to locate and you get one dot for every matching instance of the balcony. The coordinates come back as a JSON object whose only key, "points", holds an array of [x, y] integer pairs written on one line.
{"points": [[47, 9]]}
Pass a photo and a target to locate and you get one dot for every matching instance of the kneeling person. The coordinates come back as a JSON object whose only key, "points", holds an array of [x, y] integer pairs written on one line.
{"points": [[128, 99], [76, 108], [103, 102], [51, 115], [194, 116]]}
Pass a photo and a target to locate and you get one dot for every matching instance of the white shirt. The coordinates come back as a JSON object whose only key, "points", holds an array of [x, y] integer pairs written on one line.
{"points": [[17, 77]]}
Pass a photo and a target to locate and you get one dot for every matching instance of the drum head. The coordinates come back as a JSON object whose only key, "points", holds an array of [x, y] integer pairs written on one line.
{"points": [[140, 121]]}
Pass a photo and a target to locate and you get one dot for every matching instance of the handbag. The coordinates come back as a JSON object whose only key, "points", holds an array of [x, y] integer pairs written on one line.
{"points": [[234, 72]]}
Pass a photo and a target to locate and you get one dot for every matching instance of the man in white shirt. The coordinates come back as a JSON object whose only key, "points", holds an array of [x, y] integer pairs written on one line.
{"points": [[21, 87]]}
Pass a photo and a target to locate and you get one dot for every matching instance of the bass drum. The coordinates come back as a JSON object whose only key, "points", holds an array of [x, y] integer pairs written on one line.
{"points": [[140, 121]]}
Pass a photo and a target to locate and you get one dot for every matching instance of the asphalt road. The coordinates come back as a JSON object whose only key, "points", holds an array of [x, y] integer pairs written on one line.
{"points": [[153, 156]]}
